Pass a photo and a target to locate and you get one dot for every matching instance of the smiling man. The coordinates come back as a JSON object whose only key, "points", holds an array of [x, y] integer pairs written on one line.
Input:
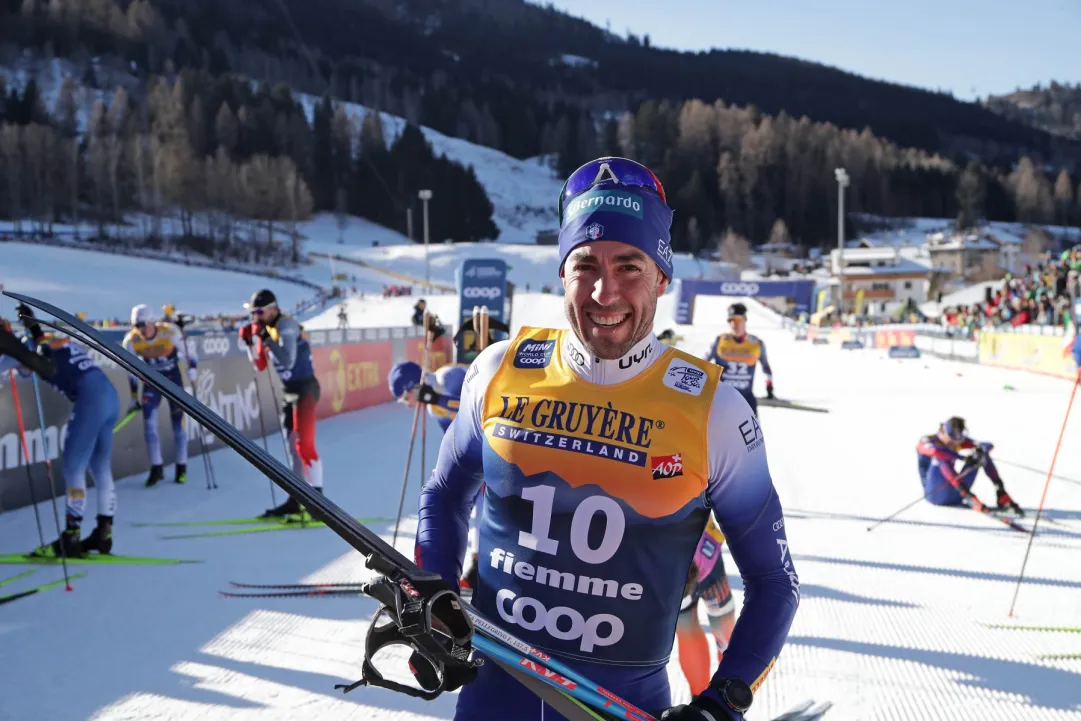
{"points": [[602, 452]]}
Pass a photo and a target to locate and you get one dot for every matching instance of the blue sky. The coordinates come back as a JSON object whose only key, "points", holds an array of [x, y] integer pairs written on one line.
{"points": [[971, 47]]}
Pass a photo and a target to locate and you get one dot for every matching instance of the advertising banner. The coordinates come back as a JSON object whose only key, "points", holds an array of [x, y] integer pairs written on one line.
{"points": [[352, 366], [800, 291], [894, 337], [483, 282], [1036, 353], [352, 376]]}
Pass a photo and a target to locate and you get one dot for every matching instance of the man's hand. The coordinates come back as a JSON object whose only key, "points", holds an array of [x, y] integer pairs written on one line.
{"points": [[426, 394], [769, 389], [247, 331], [193, 374]]}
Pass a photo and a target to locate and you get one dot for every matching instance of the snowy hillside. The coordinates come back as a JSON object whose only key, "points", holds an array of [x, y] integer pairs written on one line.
{"points": [[523, 192]]}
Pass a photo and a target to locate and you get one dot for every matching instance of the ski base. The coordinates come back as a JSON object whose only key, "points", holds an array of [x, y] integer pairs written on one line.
{"points": [[253, 521], [792, 405], [103, 559], [37, 589], [19, 577], [238, 529], [805, 711], [308, 593], [293, 586], [1050, 629]]}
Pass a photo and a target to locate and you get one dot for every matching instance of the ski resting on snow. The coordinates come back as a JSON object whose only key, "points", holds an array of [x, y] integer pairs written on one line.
{"points": [[408, 594]]}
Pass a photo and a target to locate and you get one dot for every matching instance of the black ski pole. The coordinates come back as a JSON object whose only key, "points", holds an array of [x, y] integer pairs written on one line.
{"points": [[924, 495], [52, 481], [27, 459], [262, 432], [208, 468]]}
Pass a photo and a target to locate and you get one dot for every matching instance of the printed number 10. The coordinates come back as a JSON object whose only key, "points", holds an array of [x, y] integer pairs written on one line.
{"points": [[538, 539]]}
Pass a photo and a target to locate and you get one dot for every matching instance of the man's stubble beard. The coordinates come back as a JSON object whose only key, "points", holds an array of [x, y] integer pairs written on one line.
{"points": [[644, 328]]}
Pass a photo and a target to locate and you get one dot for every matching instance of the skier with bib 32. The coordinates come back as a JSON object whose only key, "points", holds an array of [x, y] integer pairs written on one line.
{"points": [[602, 452]]}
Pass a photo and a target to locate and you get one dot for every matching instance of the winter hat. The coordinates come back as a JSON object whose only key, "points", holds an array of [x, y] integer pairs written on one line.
{"points": [[403, 377], [623, 213], [141, 314]]}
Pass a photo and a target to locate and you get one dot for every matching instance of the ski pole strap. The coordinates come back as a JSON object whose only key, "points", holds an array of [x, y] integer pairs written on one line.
{"points": [[433, 624]]}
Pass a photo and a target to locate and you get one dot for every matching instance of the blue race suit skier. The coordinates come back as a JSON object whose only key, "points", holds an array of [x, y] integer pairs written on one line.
{"points": [[944, 485], [161, 346], [602, 452], [739, 353], [88, 440], [280, 336], [440, 391]]}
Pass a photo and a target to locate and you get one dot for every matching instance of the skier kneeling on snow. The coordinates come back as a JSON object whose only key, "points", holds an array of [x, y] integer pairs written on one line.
{"points": [[942, 484]]}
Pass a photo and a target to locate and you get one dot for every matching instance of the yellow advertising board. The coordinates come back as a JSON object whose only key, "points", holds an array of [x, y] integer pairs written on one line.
{"points": [[1036, 353]]}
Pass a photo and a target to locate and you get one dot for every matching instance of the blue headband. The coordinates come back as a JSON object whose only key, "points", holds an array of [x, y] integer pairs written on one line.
{"points": [[627, 215]]}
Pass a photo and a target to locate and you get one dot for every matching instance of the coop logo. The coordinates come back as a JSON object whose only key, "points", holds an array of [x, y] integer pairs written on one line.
{"points": [[562, 622], [667, 466], [215, 345], [534, 354], [733, 288], [490, 292]]}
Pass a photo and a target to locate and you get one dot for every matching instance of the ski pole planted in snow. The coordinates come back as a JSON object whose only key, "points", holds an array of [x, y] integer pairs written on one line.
{"points": [[30, 478], [1043, 497]]}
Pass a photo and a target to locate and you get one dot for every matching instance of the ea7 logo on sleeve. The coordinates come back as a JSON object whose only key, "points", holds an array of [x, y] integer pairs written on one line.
{"points": [[752, 433], [667, 466], [534, 354], [684, 377]]}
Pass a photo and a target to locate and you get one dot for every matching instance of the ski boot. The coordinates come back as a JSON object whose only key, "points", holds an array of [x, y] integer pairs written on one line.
{"points": [[181, 473], [157, 473], [101, 538], [1005, 503], [67, 545]]}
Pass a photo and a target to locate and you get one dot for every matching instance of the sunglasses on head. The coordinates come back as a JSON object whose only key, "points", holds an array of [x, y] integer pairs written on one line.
{"points": [[621, 171]]}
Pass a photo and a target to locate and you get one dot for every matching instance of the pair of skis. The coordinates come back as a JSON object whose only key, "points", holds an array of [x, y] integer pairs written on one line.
{"points": [[241, 526]]}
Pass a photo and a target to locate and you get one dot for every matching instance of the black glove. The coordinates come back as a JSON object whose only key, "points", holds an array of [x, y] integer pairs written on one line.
{"points": [[263, 332], [701, 708], [426, 394]]}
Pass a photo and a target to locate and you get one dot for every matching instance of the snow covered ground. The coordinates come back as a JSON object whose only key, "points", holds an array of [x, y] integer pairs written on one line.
{"points": [[106, 286], [893, 622]]}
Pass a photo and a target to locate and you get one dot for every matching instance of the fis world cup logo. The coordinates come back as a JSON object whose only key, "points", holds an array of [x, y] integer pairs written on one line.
{"points": [[667, 466]]}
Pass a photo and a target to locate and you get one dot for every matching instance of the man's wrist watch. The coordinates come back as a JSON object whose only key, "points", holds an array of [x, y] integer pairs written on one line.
{"points": [[736, 694]]}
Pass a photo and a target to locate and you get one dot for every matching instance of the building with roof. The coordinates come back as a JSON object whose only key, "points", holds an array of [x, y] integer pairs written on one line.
{"points": [[885, 278]]}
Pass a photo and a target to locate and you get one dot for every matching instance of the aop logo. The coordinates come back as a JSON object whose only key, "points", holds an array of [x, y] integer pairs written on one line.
{"points": [[667, 466], [733, 288], [215, 345]]}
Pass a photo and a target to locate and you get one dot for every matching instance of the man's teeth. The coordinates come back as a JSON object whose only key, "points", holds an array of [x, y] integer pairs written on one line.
{"points": [[608, 320]]}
